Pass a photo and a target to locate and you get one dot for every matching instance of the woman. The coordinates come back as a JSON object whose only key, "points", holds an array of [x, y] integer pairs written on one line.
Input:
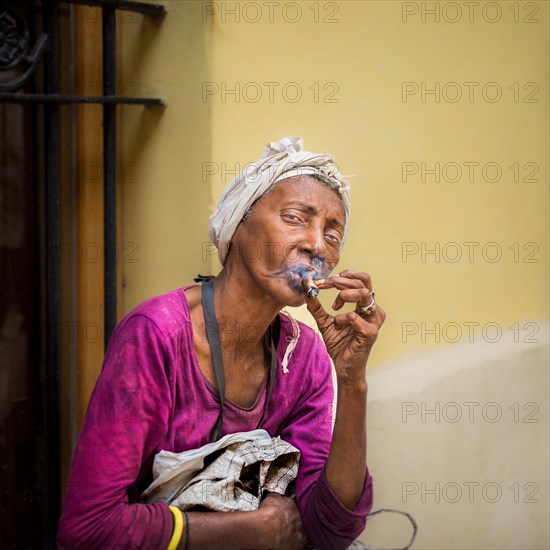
{"points": [[282, 219]]}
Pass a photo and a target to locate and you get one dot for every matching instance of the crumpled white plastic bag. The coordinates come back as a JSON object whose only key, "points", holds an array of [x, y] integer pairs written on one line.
{"points": [[230, 474]]}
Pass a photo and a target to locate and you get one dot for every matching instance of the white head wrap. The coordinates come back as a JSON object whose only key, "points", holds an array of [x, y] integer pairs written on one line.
{"points": [[280, 160]]}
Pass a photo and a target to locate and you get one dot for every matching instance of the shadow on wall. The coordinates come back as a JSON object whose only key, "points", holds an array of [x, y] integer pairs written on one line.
{"points": [[459, 439], [166, 203]]}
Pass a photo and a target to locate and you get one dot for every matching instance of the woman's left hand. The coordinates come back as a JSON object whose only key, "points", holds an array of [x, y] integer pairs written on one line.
{"points": [[349, 337]]}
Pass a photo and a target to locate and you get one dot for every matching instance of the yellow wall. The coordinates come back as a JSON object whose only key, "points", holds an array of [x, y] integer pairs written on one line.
{"points": [[363, 58], [165, 205], [350, 70]]}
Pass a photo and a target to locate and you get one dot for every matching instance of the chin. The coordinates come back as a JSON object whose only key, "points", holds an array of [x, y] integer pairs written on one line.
{"points": [[285, 295], [293, 297], [296, 301]]}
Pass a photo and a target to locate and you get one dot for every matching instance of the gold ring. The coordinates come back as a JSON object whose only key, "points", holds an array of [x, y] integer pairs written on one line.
{"points": [[367, 311]]}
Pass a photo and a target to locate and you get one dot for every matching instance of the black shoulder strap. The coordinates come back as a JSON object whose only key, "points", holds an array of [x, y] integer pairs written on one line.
{"points": [[213, 337], [272, 373]]}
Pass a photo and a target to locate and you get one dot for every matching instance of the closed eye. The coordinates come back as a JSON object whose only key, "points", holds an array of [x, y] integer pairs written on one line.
{"points": [[334, 240], [291, 217]]}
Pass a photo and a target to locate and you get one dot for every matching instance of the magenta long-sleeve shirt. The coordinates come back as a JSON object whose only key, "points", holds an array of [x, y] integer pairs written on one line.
{"points": [[152, 396]]}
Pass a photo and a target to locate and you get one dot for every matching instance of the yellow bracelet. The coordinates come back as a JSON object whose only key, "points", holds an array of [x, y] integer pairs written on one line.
{"points": [[178, 528]]}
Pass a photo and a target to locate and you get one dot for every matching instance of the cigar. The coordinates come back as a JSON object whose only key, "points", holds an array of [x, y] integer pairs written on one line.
{"points": [[310, 288]]}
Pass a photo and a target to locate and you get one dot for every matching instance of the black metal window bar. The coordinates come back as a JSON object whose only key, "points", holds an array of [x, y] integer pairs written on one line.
{"points": [[14, 42]]}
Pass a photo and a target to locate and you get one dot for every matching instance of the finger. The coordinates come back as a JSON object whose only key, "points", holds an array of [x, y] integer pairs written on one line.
{"points": [[361, 297], [381, 314], [360, 275], [273, 494], [352, 320], [377, 317], [361, 325], [316, 309], [335, 281]]}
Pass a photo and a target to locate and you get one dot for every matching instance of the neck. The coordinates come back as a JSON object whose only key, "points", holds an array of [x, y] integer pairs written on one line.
{"points": [[243, 311]]}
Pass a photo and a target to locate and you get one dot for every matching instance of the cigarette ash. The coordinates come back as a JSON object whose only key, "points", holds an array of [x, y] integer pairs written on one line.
{"points": [[300, 277], [309, 287]]}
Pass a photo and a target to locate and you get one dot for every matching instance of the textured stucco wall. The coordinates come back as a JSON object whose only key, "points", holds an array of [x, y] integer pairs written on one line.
{"points": [[463, 320], [459, 438]]}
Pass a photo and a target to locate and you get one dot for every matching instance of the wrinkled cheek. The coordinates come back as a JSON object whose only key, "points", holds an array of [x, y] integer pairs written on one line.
{"points": [[333, 258], [290, 253], [331, 261], [323, 268]]}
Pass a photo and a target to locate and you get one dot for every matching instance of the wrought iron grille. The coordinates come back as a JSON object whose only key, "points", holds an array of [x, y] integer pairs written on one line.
{"points": [[20, 60]]}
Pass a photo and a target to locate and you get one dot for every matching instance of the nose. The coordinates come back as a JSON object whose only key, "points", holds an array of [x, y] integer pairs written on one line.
{"points": [[314, 241]]}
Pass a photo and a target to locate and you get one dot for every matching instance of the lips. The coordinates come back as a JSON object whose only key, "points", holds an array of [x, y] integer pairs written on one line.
{"points": [[295, 275], [301, 271]]}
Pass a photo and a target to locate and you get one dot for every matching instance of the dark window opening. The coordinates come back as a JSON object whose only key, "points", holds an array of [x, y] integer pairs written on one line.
{"points": [[37, 196]]}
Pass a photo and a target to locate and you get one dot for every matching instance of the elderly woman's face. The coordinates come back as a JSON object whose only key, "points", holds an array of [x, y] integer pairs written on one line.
{"points": [[295, 230]]}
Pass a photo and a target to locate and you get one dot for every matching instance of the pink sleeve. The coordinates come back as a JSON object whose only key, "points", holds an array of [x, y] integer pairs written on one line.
{"points": [[328, 523], [127, 418]]}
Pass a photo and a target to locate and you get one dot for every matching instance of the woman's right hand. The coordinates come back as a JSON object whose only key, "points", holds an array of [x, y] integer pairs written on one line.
{"points": [[285, 522]]}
